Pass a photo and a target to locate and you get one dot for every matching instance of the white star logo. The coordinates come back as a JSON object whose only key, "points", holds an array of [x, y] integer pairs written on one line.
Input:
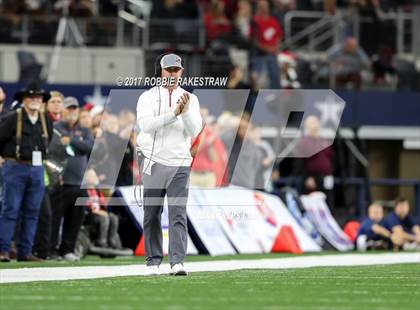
{"points": [[331, 110], [96, 99]]}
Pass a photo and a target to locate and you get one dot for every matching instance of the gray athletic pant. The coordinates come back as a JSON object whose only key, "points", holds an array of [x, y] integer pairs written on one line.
{"points": [[172, 182]]}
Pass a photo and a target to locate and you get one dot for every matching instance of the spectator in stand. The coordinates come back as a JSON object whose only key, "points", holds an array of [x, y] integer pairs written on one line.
{"points": [[2, 103], [205, 155], [288, 70], [372, 233], [127, 121], [85, 119], [217, 24], [267, 158], [403, 225], [220, 164], [1, 180], [55, 106], [230, 6], [110, 163], [245, 158], [383, 65], [346, 61], [266, 34], [242, 24], [171, 21], [282, 7], [330, 7], [174, 9], [98, 117], [374, 30], [85, 8], [233, 101], [74, 144], [235, 79], [52, 179], [317, 169], [106, 223], [23, 173], [112, 124]]}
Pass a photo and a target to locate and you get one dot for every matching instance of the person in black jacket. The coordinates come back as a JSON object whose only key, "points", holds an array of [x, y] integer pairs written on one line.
{"points": [[2, 103], [24, 138], [41, 248], [73, 144]]}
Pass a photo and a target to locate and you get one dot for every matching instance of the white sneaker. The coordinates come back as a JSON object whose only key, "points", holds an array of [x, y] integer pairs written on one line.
{"points": [[410, 246], [152, 270], [361, 243], [71, 257], [178, 270]]}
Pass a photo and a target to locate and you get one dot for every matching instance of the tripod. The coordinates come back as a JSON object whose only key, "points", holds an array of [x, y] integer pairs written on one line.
{"points": [[67, 30]]}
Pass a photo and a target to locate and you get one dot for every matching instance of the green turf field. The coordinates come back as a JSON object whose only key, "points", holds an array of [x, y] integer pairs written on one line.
{"points": [[369, 287]]}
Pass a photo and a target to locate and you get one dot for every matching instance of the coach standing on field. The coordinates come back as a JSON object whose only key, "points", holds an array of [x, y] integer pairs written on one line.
{"points": [[24, 137], [168, 118]]}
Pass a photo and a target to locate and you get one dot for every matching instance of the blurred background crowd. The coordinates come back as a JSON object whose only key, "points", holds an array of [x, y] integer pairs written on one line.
{"points": [[304, 43], [354, 46]]}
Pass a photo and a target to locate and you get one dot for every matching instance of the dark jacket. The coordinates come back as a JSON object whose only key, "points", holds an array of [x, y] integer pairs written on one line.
{"points": [[3, 114], [108, 163], [81, 142], [31, 136]]}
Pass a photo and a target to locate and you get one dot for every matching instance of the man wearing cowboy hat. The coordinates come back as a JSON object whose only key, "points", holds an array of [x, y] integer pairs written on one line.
{"points": [[24, 137]]}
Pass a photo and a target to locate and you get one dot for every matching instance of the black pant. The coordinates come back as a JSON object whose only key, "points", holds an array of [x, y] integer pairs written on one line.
{"points": [[43, 231], [72, 219]]}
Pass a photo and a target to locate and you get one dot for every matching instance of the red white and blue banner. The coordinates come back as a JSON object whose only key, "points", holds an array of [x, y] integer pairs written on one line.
{"points": [[251, 220], [132, 204], [234, 220], [320, 215]]}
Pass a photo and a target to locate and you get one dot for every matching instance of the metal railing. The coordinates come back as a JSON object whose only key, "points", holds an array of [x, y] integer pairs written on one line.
{"points": [[42, 30], [318, 27], [186, 34], [325, 28], [131, 28]]}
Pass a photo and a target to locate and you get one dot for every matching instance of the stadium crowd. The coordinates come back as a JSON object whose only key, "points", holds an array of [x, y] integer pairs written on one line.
{"points": [[255, 27], [71, 131], [40, 217], [65, 136]]}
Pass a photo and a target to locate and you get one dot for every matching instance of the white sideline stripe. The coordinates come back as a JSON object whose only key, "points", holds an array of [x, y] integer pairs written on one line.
{"points": [[92, 272]]}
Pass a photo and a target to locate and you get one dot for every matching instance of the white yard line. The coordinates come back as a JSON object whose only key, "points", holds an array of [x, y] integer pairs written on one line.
{"points": [[92, 272]]}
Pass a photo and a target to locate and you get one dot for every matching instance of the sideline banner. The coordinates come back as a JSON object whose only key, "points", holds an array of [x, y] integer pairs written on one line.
{"points": [[292, 201], [231, 220], [320, 215], [252, 220], [283, 219], [204, 217], [137, 215]]}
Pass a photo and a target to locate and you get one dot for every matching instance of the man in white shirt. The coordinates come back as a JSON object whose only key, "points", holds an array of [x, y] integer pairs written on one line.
{"points": [[168, 118]]}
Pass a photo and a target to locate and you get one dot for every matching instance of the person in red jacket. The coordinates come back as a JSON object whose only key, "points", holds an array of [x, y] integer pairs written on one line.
{"points": [[266, 34], [209, 164], [215, 21]]}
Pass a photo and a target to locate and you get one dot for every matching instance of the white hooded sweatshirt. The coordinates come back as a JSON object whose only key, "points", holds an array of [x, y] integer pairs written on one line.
{"points": [[165, 138]]}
